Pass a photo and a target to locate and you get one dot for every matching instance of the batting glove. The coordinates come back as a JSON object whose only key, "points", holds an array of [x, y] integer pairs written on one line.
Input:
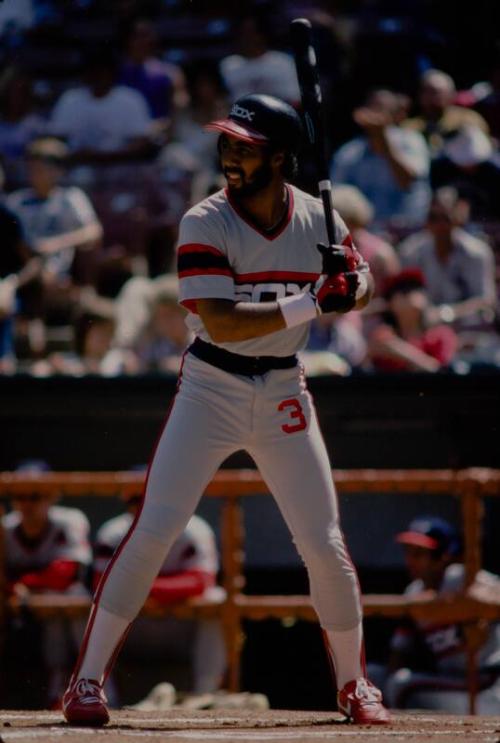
{"points": [[339, 293], [338, 258]]}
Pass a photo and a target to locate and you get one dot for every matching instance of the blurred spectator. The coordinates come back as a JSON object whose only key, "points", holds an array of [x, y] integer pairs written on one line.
{"points": [[47, 550], [16, 15], [18, 267], [95, 352], [190, 570], [162, 84], [258, 68], [489, 105], [439, 118], [103, 122], [191, 149], [459, 269], [403, 341], [357, 213], [19, 122], [61, 227], [388, 164], [470, 164], [165, 338], [427, 667], [336, 345]]}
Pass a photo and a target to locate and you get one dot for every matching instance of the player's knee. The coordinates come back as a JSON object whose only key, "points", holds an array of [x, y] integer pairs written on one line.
{"points": [[159, 521], [326, 547]]}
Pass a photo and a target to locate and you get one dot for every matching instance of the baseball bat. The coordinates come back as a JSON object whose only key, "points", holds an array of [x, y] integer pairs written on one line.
{"points": [[310, 93]]}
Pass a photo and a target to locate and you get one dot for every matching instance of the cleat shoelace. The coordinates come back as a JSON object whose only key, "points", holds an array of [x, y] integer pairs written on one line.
{"points": [[88, 692], [367, 693]]}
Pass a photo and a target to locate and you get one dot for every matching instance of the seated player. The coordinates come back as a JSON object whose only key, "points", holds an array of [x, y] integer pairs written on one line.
{"points": [[47, 549], [189, 570], [428, 663]]}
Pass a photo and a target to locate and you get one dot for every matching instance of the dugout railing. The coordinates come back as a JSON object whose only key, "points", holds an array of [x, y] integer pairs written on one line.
{"points": [[473, 607]]}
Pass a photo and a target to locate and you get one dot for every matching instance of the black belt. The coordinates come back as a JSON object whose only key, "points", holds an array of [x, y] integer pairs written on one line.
{"points": [[236, 363]]}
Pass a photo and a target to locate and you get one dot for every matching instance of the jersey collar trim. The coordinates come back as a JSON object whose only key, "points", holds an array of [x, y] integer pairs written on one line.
{"points": [[278, 229]]}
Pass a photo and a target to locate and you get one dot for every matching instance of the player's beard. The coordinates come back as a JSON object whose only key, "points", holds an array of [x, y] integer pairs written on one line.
{"points": [[261, 178]]}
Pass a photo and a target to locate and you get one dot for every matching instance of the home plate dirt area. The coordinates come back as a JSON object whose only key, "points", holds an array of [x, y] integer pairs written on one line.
{"points": [[176, 726]]}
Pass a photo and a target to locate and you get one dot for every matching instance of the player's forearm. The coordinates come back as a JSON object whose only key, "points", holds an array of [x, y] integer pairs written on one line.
{"points": [[402, 171], [87, 233], [399, 349], [57, 576], [170, 588], [227, 321]]}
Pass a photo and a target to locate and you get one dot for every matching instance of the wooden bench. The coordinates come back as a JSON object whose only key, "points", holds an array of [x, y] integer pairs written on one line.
{"points": [[233, 606]]}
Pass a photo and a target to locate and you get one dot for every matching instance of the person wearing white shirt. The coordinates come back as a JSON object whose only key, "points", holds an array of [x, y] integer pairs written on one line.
{"points": [[257, 68], [101, 121]]}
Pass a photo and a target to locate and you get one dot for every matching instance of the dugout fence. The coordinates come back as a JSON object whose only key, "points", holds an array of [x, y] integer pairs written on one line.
{"points": [[472, 608]]}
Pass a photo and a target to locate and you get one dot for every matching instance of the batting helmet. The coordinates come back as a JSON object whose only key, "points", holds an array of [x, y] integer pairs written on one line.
{"points": [[262, 119]]}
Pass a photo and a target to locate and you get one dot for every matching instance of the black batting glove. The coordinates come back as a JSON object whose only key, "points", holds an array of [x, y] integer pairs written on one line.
{"points": [[338, 258]]}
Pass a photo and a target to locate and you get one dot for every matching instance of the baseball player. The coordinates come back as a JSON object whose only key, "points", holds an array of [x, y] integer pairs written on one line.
{"points": [[254, 270], [428, 663], [47, 549], [190, 569]]}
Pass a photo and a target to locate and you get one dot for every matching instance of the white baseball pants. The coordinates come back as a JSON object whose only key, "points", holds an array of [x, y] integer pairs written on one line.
{"points": [[214, 414]]}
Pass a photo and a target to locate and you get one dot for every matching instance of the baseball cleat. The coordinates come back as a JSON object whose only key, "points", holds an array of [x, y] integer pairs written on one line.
{"points": [[361, 702], [84, 703]]}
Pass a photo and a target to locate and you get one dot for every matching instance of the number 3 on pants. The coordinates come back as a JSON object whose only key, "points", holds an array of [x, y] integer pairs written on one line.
{"points": [[295, 412]]}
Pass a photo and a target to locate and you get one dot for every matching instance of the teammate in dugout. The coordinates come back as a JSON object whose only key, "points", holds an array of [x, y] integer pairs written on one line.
{"points": [[47, 550], [427, 667], [254, 270]]}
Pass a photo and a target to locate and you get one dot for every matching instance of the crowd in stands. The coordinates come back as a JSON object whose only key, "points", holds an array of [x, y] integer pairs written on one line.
{"points": [[102, 151]]}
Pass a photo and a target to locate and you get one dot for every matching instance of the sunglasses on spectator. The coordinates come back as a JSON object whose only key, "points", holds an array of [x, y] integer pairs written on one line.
{"points": [[28, 498]]}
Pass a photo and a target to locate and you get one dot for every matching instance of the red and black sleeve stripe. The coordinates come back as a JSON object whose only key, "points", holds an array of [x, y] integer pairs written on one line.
{"points": [[196, 259]]}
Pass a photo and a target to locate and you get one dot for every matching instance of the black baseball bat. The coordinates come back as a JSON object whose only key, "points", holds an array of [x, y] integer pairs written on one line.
{"points": [[310, 92]]}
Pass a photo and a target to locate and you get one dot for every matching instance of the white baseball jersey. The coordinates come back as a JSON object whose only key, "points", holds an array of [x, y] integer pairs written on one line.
{"points": [[446, 641], [223, 255], [195, 549], [66, 538]]}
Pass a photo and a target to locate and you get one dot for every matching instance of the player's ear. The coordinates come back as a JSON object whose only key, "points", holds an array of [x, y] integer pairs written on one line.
{"points": [[277, 160]]}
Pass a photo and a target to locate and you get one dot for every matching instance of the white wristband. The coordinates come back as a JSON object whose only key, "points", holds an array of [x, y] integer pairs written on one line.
{"points": [[297, 309]]}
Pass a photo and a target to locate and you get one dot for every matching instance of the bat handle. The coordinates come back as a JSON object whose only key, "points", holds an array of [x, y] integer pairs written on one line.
{"points": [[325, 191]]}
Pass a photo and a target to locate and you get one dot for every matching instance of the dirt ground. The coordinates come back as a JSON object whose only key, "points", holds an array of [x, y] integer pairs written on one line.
{"points": [[179, 726]]}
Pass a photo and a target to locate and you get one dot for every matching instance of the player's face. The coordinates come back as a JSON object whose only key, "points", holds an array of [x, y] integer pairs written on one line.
{"points": [[33, 507], [247, 167], [423, 564]]}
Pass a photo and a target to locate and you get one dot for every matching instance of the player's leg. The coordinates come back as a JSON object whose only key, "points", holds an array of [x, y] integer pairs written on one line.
{"points": [[290, 453], [209, 658], [193, 444], [407, 689]]}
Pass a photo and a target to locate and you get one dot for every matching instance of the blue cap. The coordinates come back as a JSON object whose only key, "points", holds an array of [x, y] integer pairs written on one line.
{"points": [[433, 533]]}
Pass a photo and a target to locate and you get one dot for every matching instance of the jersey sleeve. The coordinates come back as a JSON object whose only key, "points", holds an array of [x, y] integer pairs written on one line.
{"points": [[76, 544], [202, 263]]}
